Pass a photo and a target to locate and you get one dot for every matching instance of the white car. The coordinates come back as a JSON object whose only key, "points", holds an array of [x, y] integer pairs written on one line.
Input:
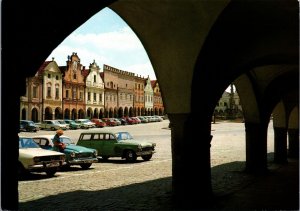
{"points": [[52, 125], [85, 123], [32, 158]]}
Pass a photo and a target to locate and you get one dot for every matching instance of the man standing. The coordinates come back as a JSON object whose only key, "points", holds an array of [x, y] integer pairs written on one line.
{"points": [[58, 145]]}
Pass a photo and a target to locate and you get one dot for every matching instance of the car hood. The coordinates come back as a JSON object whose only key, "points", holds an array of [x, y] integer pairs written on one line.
{"points": [[77, 148], [37, 152], [135, 142]]}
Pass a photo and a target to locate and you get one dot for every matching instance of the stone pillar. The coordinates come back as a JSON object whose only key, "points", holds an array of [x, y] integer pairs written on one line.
{"points": [[256, 148], [280, 145], [191, 176], [293, 150]]}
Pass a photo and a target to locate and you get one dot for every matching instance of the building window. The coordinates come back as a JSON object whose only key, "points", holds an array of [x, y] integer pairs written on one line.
{"points": [[74, 93], [49, 76], [80, 95], [34, 92], [48, 90], [89, 96], [56, 92], [100, 96], [95, 97], [94, 79], [67, 94], [74, 76], [56, 77]]}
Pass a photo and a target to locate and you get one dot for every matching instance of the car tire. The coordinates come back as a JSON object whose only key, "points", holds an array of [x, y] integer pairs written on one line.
{"points": [[130, 156], [105, 158], [50, 172], [85, 165], [146, 157]]}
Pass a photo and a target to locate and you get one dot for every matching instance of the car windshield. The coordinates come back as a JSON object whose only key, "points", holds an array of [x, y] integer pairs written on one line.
{"points": [[61, 121], [123, 136], [31, 123], [66, 141], [27, 143]]}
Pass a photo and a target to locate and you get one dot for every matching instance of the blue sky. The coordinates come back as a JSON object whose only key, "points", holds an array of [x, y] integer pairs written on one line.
{"points": [[107, 39]]}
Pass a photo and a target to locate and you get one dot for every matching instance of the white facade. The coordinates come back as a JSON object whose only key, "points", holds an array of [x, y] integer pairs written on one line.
{"points": [[94, 94], [148, 95]]}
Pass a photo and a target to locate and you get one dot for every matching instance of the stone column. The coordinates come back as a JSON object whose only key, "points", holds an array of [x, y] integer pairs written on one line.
{"points": [[293, 150], [256, 147], [191, 176], [280, 145]]}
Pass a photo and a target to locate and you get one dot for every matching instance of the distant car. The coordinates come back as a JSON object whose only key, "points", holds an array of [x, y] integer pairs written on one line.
{"points": [[75, 155], [32, 158], [72, 124], [110, 121], [52, 125], [120, 144], [85, 123], [28, 126], [99, 122]]}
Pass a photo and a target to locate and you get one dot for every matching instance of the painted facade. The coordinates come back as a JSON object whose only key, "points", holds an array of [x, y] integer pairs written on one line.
{"points": [[94, 92], [158, 106], [31, 102], [139, 103], [110, 78], [73, 88], [148, 97]]}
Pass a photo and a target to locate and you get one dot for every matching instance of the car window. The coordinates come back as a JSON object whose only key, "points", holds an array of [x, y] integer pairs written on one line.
{"points": [[86, 137], [67, 141], [27, 143]]}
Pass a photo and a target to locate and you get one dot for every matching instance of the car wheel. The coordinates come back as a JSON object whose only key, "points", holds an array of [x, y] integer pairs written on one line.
{"points": [[130, 156], [51, 172], [52, 128], [147, 157], [85, 165], [105, 158]]}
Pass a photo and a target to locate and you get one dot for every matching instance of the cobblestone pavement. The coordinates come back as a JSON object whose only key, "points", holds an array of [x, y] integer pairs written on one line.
{"points": [[117, 185]]}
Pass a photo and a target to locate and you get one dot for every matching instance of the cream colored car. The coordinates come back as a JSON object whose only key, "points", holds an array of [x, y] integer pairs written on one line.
{"points": [[32, 158]]}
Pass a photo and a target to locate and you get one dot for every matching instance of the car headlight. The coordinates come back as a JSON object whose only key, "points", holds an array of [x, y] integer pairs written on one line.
{"points": [[36, 159], [72, 154]]}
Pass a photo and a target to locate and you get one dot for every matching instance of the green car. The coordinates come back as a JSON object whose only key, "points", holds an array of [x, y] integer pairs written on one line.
{"points": [[75, 155], [72, 124], [119, 144]]}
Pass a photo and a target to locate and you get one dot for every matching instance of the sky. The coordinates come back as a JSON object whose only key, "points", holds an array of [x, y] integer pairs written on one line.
{"points": [[107, 39]]}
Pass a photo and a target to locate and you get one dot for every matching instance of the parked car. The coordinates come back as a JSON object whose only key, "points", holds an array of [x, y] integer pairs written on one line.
{"points": [[110, 122], [28, 126], [85, 123], [99, 122], [32, 158], [72, 124], [52, 125], [110, 144], [75, 155], [61, 121]]}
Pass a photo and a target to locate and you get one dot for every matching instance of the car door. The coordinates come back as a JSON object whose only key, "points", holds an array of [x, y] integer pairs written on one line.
{"points": [[109, 142]]}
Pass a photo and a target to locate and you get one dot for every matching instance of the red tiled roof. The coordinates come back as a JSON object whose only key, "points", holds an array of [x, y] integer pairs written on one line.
{"points": [[43, 66], [85, 72], [153, 83]]}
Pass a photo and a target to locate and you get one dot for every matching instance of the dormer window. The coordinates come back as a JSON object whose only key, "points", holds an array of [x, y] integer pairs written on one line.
{"points": [[94, 79]]}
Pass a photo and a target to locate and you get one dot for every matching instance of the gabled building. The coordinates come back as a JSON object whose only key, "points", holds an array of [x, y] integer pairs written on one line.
{"points": [[31, 102], [73, 88], [148, 97], [139, 103], [94, 92], [158, 106]]}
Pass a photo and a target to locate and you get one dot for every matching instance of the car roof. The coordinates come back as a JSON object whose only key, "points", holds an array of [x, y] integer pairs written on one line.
{"points": [[97, 131], [48, 136]]}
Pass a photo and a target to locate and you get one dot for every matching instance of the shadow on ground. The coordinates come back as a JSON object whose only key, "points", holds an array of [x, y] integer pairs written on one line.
{"points": [[233, 190]]}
